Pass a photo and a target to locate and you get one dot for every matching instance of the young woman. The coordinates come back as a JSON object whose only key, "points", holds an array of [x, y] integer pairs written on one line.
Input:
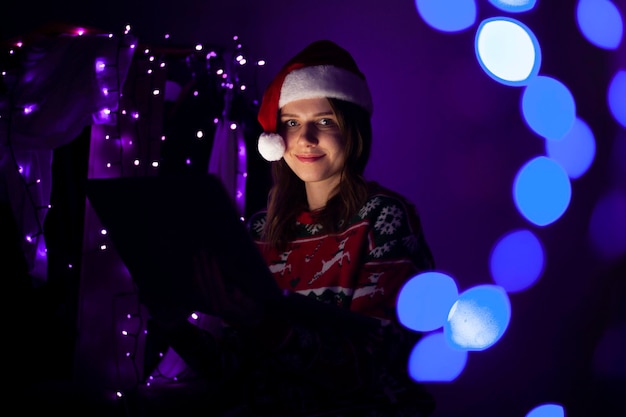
{"points": [[330, 235]]}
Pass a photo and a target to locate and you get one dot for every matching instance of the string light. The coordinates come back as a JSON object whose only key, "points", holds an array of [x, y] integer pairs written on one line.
{"points": [[116, 126], [31, 237]]}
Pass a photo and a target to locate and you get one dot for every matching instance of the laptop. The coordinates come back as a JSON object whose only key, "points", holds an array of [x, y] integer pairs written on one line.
{"points": [[157, 223]]}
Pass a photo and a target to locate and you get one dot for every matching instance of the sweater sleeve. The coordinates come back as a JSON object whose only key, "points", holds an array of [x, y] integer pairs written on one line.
{"points": [[395, 251]]}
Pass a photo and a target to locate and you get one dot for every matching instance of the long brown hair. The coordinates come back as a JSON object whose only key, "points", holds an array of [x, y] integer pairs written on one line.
{"points": [[287, 196]]}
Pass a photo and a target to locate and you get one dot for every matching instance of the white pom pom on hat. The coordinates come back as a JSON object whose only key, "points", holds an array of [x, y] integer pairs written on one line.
{"points": [[271, 146], [322, 69]]}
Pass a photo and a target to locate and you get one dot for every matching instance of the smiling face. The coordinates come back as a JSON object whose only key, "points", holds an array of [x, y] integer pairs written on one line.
{"points": [[314, 146]]}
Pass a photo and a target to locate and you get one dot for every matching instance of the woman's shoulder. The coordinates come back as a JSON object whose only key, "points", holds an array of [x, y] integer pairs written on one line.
{"points": [[394, 218]]}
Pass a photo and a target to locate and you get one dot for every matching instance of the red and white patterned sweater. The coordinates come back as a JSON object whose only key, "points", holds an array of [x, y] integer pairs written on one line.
{"points": [[317, 370], [363, 267]]}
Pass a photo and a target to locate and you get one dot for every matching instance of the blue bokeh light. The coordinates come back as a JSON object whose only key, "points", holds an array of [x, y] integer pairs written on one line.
{"points": [[433, 360], [616, 97], [517, 260], [479, 318], [600, 23], [514, 6], [576, 151], [548, 107], [542, 191], [425, 301], [507, 50], [547, 410], [447, 15]]}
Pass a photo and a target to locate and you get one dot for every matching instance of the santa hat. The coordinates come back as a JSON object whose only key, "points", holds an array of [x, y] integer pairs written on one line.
{"points": [[322, 69]]}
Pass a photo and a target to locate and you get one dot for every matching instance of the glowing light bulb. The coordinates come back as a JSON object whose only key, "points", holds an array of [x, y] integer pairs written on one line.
{"points": [[100, 65]]}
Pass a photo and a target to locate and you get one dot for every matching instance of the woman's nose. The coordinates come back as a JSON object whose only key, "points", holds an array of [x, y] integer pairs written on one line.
{"points": [[308, 134]]}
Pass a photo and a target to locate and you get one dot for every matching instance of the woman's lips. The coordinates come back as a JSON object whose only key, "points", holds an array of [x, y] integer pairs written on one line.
{"points": [[309, 158]]}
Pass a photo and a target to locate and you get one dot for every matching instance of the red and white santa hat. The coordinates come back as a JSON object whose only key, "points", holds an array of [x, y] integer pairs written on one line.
{"points": [[322, 69]]}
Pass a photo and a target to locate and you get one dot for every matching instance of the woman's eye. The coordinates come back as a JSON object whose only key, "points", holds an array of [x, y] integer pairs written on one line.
{"points": [[326, 122], [291, 123]]}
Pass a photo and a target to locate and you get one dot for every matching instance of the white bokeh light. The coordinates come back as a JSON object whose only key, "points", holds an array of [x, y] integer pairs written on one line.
{"points": [[507, 50]]}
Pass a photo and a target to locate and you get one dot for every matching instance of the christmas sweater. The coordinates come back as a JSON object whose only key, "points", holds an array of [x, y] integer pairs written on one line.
{"points": [[361, 268], [322, 371]]}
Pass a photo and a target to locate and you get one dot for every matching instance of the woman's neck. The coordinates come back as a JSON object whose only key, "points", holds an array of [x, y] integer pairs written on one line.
{"points": [[318, 193]]}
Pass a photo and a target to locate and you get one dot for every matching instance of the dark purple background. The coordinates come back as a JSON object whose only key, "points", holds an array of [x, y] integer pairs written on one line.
{"points": [[451, 139]]}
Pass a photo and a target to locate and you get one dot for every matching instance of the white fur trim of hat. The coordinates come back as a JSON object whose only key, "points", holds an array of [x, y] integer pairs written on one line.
{"points": [[325, 81]]}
